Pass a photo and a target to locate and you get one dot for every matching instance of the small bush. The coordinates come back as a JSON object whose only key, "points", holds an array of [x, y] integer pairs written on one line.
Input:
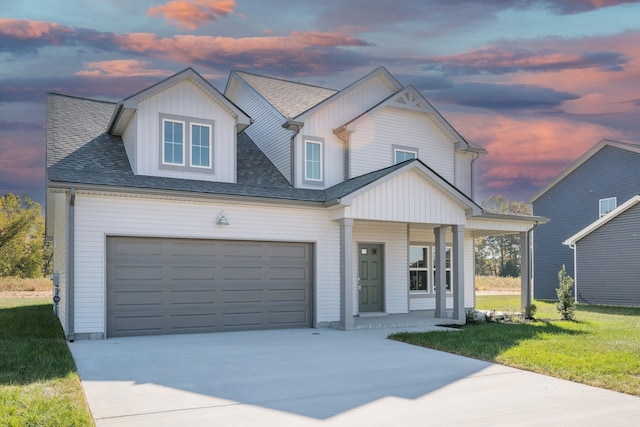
{"points": [[530, 311], [566, 304]]}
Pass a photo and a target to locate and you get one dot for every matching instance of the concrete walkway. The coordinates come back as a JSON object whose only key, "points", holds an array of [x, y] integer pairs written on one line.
{"points": [[309, 377]]}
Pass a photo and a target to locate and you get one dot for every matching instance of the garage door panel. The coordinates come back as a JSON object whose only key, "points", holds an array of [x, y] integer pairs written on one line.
{"points": [[166, 286], [240, 273]]}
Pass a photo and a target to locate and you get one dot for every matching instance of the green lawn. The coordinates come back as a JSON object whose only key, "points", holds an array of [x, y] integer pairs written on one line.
{"points": [[600, 348], [39, 384]]}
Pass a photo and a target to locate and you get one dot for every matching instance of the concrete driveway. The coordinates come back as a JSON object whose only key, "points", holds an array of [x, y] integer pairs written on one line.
{"points": [[309, 377]]}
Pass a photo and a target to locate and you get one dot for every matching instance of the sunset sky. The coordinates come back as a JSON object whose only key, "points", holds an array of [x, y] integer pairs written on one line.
{"points": [[535, 82]]}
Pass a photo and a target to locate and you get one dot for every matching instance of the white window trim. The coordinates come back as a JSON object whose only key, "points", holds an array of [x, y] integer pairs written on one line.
{"points": [[402, 149], [615, 202], [186, 165], [184, 142], [431, 268], [191, 125], [320, 143]]}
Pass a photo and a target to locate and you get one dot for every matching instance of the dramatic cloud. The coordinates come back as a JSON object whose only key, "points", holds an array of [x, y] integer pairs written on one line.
{"points": [[22, 163], [193, 13], [298, 54], [526, 153], [502, 96], [121, 68], [21, 125], [566, 7], [502, 60]]}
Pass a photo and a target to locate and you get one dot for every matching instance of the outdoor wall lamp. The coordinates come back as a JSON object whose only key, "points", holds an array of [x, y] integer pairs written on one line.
{"points": [[222, 220]]}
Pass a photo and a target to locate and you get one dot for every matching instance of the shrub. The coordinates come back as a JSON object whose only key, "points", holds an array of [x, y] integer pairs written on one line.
{"points": [[566, 304], [530, 311]]}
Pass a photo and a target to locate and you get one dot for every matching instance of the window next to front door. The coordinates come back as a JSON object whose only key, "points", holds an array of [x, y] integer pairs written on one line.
{"points": [[422, 260]]}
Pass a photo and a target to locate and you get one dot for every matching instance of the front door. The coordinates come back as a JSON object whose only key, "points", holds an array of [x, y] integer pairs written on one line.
{"points": [[370, 283]]}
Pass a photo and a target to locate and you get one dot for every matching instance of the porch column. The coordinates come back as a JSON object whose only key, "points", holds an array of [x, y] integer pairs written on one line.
{"points": [[458, 272], [346, 273], [525, 274], [441, 276]]}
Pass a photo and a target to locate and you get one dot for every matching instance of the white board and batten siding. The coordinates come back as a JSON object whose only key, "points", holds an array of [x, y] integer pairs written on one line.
{"points": [[266, 129], [393, 236], [185, 99], [372, 142], [98, 217], [406, 198], [60, 238]]}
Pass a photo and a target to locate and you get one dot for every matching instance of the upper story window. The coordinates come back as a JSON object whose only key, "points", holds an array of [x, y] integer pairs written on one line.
{"points": [[401, 154], [186, 144], [607, 205], [200, 146], [313, 160], [173, 142]]}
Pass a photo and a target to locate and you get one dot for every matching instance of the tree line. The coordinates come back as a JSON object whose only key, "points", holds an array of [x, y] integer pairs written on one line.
{"points": [[22, 245]]}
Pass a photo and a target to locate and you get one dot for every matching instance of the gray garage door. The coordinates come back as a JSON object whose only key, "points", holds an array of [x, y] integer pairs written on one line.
{"points": [[170, 286]]}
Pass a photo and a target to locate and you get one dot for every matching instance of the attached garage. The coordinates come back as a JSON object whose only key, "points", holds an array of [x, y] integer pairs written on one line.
{"points": [[171, 286]]}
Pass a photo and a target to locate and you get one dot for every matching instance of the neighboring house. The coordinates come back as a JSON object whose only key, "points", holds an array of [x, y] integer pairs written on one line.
{"points": [[606, 255], [603, 178], [275, 205]]}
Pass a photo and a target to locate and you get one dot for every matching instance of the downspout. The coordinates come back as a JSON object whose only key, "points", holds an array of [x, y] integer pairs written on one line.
{"points": [[575, 272], [530, 263], [473, 180], [295, 127], [71, 265]]}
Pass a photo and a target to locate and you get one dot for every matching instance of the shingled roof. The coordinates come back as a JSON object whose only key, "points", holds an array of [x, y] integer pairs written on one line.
{"points": [[80, 151], [289, 98]]}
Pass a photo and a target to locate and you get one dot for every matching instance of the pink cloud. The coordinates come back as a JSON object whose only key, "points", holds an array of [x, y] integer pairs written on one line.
{"points": [[194, 13], [533, 150], [121, 68], [23, 29]]}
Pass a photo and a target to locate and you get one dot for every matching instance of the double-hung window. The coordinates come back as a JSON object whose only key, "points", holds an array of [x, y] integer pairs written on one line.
{"points": [[313, 160], [173, 142], [422, 261], [186, 144], [607, 205], [200, 146]]}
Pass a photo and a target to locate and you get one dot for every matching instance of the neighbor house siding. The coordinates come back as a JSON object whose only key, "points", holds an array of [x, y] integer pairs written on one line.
{"points": [[186, 99], [373, 139], [606, 276], [572, 204], [394, 238], [60, 254], [100, 216], [266, 129], [406, 197], [129, 139]]}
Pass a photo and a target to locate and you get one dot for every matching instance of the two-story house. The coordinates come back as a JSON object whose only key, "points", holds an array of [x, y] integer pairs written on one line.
{"points": [[578, 202], [274, 205]]}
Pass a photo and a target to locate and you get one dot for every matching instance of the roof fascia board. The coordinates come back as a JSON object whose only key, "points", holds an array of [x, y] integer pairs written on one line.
{"points": [[175, 194], [579, 161], [380, 71], [470, 206], [428, 109], [602, 221], [131, 102], [511, 217]]}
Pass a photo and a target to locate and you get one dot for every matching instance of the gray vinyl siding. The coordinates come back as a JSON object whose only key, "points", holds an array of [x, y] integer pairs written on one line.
{"points": [[608, 262], [572, 204]]}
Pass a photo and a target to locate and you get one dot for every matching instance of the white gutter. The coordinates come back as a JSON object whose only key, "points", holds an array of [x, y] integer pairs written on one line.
{"points": [[575, 272]]}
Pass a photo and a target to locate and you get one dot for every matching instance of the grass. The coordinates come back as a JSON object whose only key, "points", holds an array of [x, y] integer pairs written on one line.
{"points": [[18, 284], [39, 384], [601, 348], [495, 283]]}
